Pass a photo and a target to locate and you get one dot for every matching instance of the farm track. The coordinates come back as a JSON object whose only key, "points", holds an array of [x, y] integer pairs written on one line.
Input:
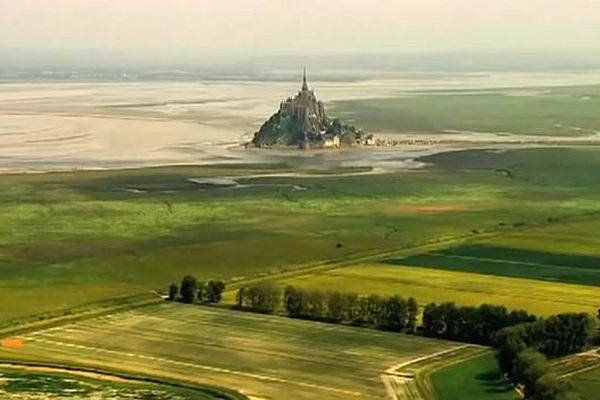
{"points": [[410, 380], [364, 257], [578, 363]]}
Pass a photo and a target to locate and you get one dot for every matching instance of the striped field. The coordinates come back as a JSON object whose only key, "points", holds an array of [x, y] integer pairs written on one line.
{"points": [[263, 357]]}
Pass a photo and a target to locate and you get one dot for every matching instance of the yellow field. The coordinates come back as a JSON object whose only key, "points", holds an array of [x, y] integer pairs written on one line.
{"points": [[430, 285], [570, 237]]}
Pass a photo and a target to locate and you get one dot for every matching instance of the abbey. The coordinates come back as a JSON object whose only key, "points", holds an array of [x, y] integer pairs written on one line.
{"points": [[301, 121], [309, 111]]}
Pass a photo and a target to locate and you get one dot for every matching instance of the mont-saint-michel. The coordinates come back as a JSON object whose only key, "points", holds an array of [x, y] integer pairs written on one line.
{"points": [[301, 122]]}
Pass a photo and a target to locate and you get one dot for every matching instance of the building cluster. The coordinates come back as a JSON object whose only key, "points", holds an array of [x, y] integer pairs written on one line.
{"points": [[301, 121]]}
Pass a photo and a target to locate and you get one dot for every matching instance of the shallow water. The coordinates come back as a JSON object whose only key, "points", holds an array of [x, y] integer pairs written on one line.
{"points": [[76, 125]]}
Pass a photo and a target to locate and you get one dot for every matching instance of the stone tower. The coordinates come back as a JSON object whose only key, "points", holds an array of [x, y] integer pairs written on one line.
{"points": [[304, 83], [307, 110]]}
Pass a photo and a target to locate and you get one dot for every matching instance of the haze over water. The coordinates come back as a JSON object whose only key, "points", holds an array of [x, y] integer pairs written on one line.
{"points": [[71, 125], [56, 114]]}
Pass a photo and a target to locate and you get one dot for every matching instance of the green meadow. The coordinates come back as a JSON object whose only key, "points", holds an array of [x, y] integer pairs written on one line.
{"points": [[77, 237], [558, 111], [476, 379], [588, 384]]}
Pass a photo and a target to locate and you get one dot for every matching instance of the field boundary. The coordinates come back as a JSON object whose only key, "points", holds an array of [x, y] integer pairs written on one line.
{"points": [[410, 380], [506, 261], [326, 265]]}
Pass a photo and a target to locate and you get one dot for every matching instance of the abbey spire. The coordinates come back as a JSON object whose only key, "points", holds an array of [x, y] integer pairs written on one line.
{"points": [[304, 83]]}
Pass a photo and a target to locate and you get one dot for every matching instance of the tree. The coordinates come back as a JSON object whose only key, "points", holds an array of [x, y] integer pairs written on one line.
{"points": [[528, 367], [293, 301], [201, 295], [469, 324], [335, 306], [374, 307], [173, 290], [564, 334], [313, 304], [350, 307], [434, 323], [413, 312], [546, 387], [264, 298], [214, 291], [189, 287], [394, 314]]}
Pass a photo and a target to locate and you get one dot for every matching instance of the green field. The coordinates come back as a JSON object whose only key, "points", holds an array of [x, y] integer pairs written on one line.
{"points": [[505, 261], [77, 237], [478, 378], [588, 384], [564, 111], [261, 356]]}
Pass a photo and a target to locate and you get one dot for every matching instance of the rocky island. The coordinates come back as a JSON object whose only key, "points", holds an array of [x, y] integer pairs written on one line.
{"points": [[301, 122]]}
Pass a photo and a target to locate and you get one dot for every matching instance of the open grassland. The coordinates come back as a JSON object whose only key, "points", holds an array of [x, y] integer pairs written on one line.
{"points": [[433, 285], [563, 111], [261, 356], [475, 379], [78, 237]]}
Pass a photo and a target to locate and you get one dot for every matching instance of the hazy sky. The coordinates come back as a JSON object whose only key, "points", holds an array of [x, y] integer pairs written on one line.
{"points": [[187, 28]]}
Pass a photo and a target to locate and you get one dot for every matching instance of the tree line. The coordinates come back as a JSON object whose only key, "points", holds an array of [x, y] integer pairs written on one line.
{"points": [[470, 324], [388, 313], [523, 351], [191, 290], [448, 321]]}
